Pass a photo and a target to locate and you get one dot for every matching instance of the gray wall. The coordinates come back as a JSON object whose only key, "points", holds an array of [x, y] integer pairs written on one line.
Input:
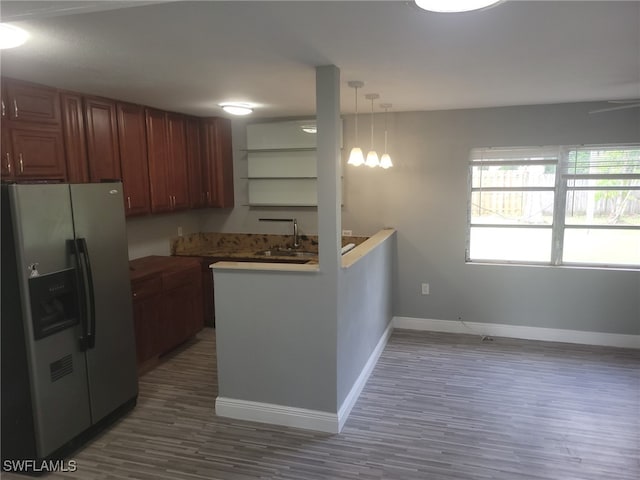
{"points": [[364, 312], [425, 198], [289, 328]]}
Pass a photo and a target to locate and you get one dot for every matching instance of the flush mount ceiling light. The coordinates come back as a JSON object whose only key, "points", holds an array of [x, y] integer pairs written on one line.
{"points": [[309, 128], [12, 36], [235, 108], [452, 6], [372, 156], [355, 157]]}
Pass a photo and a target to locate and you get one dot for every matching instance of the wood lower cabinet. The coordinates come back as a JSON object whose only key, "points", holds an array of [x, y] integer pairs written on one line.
{"points": [[167, 304]]}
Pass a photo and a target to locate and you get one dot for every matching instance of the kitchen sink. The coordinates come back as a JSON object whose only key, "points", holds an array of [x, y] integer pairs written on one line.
{"points": [[276, 252]]}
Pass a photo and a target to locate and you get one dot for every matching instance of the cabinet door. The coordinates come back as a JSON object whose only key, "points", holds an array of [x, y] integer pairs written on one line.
{"points": [[197, 175], [177, 312], [6, 162], [179, 186], [75, 144], [146, 314], [102, 139], [158, 155], [218, 155], [38, 154], [32, 103], [133, 158]]}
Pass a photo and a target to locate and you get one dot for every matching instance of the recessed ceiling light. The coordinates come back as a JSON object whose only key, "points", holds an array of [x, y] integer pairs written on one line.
{"points": [[235, 108], [12, 36], [452, 6]]}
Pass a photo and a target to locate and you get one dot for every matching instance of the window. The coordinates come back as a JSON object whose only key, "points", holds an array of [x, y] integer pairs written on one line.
{"points": [[555, 205]]}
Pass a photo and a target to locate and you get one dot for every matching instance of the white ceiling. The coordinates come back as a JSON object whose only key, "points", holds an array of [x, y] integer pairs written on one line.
{"points": [[190, 56]]}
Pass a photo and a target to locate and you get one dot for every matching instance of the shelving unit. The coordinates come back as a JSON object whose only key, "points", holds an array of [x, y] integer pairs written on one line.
{"points": [[282, 164]]}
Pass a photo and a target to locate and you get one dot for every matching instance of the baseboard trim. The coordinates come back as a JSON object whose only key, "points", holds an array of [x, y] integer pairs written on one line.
{"points": [[277, 414], [356, 389], [516, 331]]}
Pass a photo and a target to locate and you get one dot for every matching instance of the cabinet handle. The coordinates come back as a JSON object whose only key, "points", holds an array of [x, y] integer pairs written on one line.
{"points": [[129, 202], [15, 108], [21, 164], [135, 294], [8, 162], [208, 197], [4, 110]]}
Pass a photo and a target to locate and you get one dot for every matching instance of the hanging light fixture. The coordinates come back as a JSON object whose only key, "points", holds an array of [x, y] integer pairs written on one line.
{"points": [[355, 157], [454, 6], [372, 157], [385, 160]]}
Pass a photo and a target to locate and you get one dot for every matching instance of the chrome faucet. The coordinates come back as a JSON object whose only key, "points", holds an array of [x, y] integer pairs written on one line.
{"points": [[296, 240]]}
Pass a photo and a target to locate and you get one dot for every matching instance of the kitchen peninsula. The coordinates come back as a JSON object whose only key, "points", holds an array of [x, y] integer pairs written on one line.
{"points": [[295, 348]]}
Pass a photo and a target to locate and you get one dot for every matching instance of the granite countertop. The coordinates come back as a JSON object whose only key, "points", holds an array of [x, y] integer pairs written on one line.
{"points": [[249, 247]]}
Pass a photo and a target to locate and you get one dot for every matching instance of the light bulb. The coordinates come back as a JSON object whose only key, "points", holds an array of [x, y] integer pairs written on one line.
{"points": [[12, 36], [385, 161], [372, 159], [356, 158]]}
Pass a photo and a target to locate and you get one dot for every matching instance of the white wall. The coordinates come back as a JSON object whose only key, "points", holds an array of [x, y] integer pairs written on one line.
{"points": [[152, 234]]}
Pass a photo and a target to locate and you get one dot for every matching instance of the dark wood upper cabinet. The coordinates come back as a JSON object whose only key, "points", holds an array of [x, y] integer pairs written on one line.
{"points": [[102, 139], [132, 138], [197, 175], [37, 154], [218, 161], [158, 158], [75, 143], [26, 102], [178, 170], [167, 161], [32, 143]]}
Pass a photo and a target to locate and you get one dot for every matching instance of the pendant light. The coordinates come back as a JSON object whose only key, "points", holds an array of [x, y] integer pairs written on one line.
{"points": [[372, 157], [385, 160], [355, 157]]}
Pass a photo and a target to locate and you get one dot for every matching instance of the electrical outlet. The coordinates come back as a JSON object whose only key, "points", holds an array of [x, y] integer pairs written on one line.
{"points": [[425, 289], [179, 231], [347, 233]]}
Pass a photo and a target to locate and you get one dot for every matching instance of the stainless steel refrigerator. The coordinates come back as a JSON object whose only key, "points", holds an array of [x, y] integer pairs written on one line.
{"points": [[68, 348]]}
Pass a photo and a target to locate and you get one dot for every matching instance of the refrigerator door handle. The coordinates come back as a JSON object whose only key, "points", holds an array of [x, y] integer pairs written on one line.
{"points": [[91, 309], [82, 294]]}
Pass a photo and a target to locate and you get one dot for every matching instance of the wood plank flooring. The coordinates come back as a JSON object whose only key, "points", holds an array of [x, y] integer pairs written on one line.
{"points": [[437, 406]]}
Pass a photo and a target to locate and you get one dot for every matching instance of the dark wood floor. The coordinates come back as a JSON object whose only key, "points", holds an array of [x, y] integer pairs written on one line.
{"points": [[438, 406]]}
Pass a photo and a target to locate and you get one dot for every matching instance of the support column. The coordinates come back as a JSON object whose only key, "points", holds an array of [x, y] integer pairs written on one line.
{"points": [[328, 150]]}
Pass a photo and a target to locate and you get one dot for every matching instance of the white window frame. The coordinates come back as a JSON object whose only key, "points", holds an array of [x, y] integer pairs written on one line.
{"points": [[560, 189]]}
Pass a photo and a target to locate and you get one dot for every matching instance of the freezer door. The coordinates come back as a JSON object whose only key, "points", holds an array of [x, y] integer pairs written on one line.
{"points": [[98, 212], [42, 226]]}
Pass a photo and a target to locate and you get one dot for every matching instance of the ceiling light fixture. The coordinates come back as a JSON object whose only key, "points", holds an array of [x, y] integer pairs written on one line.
{"points": [[372, 157], [453, 6], [237, 108], [309, 128], [385, 160], [12, 36], [355, 157]]}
